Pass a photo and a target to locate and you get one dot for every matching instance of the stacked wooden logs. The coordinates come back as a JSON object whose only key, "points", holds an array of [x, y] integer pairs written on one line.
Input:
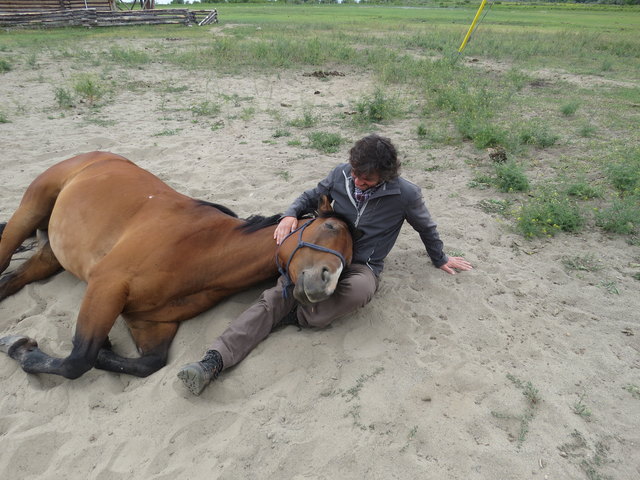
{"points": [[91, 17], [16, 6]]}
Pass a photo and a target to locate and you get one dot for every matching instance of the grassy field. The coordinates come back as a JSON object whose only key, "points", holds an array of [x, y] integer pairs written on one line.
{"points": [[527, 149], [553, 87]]}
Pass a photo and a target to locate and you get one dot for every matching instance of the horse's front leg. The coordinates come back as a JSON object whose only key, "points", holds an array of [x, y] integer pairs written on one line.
{"points": [[100, 308], [153, 341]]}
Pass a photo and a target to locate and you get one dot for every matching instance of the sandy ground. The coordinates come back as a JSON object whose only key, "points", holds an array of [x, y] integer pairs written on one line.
{"points": [[425, 382]]}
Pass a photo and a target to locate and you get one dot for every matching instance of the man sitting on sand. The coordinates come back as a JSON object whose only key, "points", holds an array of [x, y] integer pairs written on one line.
{"points": [[368, 191]]}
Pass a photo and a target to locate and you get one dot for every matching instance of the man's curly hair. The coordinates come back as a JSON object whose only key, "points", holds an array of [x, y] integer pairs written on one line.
{"points": [[374, 154]]}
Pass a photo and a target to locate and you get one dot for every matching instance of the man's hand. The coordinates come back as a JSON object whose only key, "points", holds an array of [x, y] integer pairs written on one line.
{"points": [[456, 263], [284, 228]]}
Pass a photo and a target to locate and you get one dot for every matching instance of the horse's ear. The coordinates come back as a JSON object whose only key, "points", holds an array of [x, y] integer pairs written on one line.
{"points": [[324, 205]]}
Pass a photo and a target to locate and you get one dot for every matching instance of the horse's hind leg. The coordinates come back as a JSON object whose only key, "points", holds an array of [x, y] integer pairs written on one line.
{"points": [[153, 340], [32, 214], [41, 265], [102, 304]]}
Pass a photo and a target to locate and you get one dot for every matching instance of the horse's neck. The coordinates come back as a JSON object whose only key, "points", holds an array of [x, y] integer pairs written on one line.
{"points": [[260, 246], [248, 257]]}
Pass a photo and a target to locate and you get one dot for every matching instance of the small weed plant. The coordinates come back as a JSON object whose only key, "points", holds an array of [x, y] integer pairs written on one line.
{"points": [[569, 109], [587, 130], [547, 214], [205, 109], [5, 66], [307, 120], [538, 134], [533, 401], [581, 409], [481, 131], [64, 98], [89, 88], [622, 216], [582, 263], [129, 56], [583, 190], [325, 142], [624, 172], [510, 177], [634, 390], [377, 108]]}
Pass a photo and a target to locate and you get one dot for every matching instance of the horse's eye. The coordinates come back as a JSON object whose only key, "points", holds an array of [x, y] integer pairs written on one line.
{"points": [[330, 226]]}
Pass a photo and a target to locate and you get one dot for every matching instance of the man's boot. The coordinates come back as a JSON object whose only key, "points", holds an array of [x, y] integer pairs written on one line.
{"points": [[197, 375]]}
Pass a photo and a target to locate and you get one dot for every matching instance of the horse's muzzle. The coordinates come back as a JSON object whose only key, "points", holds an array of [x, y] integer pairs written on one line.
{"points": [[316, 284]]}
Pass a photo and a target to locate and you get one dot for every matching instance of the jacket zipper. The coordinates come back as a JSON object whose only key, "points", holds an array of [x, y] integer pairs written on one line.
{"points": [[353, 202]]}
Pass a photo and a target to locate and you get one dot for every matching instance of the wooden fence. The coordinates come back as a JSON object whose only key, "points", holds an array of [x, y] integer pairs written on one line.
{"points": [[92, 17], [15, 6]]}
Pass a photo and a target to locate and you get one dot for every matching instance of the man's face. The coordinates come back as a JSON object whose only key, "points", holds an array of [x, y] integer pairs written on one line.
{"points": [[364, 182]]}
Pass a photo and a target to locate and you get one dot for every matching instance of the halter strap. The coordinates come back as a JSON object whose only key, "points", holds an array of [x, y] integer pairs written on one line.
{"points": [[288, 283]]}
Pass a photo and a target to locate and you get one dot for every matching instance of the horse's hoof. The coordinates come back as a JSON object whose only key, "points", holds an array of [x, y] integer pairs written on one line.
{"points": [[195, 377], [15, 341]]}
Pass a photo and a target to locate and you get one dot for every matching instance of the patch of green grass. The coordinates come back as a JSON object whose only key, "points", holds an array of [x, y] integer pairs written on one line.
{"points": [[624, 171], [354, 392], [481, 182], [587, 130], [569, 109], [167, 132], [582, 189], [510, 177], [377, 108], [325, 142], [634, 390], [537, 133], [307, 120], [548, 213], [581, 409], [32, 61], [247, 113], [64, 98], [281, 133], [174, 89], [584, 263], [622, 216], [284, 174], [101, 122], [205, 109], [524, 419], [610, 286], [128, 56], [89, 88], [500, 207], [517, 79], [3, 118], [606, 65], [5, 66]]}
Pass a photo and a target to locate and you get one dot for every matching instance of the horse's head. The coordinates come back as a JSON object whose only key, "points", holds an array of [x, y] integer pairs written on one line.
{"points": [[315, 254]]}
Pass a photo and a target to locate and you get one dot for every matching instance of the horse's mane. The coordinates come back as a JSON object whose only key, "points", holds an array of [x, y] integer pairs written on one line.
{"points": [[258, 222], [222, 208]]}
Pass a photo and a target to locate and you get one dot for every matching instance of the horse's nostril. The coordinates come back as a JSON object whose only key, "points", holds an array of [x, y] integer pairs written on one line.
{"points": [[326, 275]]}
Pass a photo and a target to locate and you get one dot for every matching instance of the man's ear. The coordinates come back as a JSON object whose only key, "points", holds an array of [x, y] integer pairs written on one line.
{"points": [[324, 205]]}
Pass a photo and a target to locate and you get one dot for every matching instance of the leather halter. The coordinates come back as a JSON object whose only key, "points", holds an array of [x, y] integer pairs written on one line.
{"points": [[285, 271]]}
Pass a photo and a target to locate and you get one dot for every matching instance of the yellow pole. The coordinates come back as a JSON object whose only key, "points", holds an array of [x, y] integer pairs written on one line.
{"points": [[473, 24]]}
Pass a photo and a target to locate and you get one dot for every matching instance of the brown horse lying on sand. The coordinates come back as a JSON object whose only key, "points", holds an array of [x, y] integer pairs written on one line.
{"points": [[150, 254]]}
